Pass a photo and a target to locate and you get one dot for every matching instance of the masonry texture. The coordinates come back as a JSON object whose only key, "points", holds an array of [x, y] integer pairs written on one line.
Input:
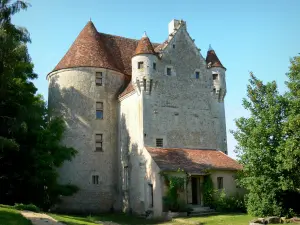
{"points": [[156, 100]]}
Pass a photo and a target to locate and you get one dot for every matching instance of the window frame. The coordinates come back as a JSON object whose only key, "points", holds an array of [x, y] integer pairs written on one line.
{"points": [[100, 109], [158, 141], [99, 78], [154, 66], [215, 76], [151, 195], [99, 141], [220, 183], [169, 69], [95, 179], [141, 65], [197, 74]]}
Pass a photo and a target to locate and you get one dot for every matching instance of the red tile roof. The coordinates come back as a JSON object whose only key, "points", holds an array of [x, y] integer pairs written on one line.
{"points": [[213, 59], [94, 49], [192, 160], [144, 47], [88, 50], [127, 90]]}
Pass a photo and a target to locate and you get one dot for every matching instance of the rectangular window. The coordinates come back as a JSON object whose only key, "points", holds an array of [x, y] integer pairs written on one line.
{"points": [[150, 195], [140, 65], [215, 76], [154, 66], [220, 182], [126, 177], [159, 142], [99, 110], [95, 179], [98, 142], [169, 71], [99, 78], [197, 75]]}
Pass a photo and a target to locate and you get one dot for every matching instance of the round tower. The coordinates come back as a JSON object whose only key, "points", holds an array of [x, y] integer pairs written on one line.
{"points": [[82, 90], [217, 71], [144, 65]]}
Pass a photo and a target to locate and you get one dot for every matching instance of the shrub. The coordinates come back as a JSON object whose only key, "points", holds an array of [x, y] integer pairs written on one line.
{"points": [[29, 207], [224, 203], [208, 191]]}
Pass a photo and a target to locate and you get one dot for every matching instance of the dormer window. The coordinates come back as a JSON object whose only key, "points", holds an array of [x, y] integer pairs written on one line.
{"points": [[215, 76], [197, 75], [169, 71], [140, 65], [154, 66]]}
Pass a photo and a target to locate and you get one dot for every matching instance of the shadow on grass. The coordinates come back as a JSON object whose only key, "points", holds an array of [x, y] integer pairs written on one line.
{"points": [[10, 216]]}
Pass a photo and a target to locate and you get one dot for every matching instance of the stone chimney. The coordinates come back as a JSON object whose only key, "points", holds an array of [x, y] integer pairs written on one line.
{"points": [[173, 25]]}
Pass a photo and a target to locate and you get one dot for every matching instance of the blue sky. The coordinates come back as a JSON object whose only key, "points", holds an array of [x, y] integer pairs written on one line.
{"points": [[254, 35]]}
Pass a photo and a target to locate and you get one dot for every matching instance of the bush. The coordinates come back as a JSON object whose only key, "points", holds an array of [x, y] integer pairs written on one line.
{"points": [[224, 203], [29, 207]]}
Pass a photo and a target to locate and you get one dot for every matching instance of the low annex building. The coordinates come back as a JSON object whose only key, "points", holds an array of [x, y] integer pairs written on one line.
{"points": [[134, 109]]}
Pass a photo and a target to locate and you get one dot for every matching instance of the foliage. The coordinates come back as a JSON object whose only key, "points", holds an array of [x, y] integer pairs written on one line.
{"points": [[224, 203], [171, 201], [208, 191], [29, 207], [30, 149], [268, 143]]}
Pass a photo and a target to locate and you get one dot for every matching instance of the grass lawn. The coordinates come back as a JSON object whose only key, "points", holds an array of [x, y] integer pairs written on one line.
{"points": [[10, 216], [224, 219]]}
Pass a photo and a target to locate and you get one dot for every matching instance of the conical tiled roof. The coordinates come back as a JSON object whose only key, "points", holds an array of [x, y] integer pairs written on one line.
{"points": [[88, 50], [144, 46], [212, 59]]}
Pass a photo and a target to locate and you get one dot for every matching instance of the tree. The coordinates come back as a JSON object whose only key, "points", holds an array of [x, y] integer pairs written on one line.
{"points": [[30, 149], [268, 144]]}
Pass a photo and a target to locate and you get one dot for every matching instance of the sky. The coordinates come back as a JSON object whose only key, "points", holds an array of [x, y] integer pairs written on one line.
{"points": [[250, 35]]}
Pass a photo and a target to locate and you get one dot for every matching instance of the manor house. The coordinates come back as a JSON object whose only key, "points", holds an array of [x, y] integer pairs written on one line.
{"points": [[135, 110]]}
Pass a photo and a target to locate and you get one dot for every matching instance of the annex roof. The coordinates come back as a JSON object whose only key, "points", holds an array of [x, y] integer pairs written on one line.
{"points": [[192, 160]]}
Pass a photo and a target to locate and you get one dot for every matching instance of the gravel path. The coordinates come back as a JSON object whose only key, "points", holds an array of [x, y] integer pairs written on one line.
{"points": [[40, 218]]}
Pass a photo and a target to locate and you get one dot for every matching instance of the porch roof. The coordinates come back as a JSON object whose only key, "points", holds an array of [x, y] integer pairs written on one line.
{"points": [[195, 161]]}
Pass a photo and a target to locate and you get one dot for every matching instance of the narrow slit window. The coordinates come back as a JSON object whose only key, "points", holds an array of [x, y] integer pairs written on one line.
{"points": [[95, 179], [99, 142], [150, 195], [159, 142], [197, 75], [140, 65], [99, 110], [169, 71], [126, 177], [220, 182], [99, 78], [215, 76], [154, 66]]}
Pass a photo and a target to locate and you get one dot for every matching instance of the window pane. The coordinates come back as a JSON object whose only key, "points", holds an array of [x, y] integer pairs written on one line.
{"points": [[197, 75], [140, 65], [99, 105], [99, 114], [98, 137], [154, 66], [169, 71], [215, 76], [99, 81], [98, 74]]}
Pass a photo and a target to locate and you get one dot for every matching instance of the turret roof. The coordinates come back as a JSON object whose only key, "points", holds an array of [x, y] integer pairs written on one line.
{"points": [[144, 46], [212, 59], [94, 49]]}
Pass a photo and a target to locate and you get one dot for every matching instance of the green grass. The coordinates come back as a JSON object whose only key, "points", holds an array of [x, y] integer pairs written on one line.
{"points": [[11, 216]]}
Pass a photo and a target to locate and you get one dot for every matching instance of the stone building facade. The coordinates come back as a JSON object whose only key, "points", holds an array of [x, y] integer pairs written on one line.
{"points": [[129, 106]]}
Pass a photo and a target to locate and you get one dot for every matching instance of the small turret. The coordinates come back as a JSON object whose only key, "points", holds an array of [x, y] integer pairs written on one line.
{"points": [[143, 65], [217, 70]]}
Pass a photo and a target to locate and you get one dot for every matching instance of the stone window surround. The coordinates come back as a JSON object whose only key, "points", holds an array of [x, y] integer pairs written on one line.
{"points": [[140, 65], [161, 137], [194, 74], [99, 109], [220, 182], [173, 73]]}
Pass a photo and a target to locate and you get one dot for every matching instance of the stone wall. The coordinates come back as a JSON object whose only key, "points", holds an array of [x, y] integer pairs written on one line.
{"points": [[73, 95], [180, 109]]}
